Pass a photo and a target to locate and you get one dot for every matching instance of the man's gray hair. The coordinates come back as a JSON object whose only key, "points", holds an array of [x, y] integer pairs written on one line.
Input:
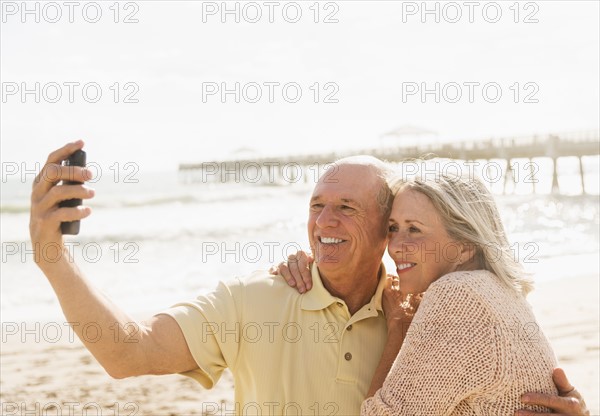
{"points": [[384, 171]]}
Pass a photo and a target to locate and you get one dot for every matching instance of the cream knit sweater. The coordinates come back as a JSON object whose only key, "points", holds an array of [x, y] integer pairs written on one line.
{"points": [[473, 348]]}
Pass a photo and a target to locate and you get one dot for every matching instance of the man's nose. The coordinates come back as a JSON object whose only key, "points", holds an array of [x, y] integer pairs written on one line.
{"points": [[327, 217]]}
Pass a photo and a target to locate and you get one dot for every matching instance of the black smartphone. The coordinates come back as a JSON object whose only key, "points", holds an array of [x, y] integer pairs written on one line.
{"points": [[72, 227]]}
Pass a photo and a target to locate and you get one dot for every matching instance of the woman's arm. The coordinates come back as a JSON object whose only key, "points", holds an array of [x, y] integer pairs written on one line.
{"points": [[390, 352], [448, 354], [398, 322]]}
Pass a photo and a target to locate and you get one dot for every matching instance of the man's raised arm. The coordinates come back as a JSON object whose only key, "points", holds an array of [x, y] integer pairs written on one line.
{"points": [[156, 346]]}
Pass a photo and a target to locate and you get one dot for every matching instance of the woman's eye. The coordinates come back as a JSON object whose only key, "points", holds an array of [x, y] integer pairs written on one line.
{"points": [[413, 229], [393, 228]]}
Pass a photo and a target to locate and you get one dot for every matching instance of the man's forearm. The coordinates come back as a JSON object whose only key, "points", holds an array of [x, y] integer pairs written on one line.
{"points": [[117, 350]]}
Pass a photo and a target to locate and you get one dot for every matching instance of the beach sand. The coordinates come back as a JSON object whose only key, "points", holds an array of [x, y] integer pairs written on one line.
{"points": [[63, 378]]}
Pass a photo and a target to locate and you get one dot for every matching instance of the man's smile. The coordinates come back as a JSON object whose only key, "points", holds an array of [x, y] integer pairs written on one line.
{"points": [[330, 240]]}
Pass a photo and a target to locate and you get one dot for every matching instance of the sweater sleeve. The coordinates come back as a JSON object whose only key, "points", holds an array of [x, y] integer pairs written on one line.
{"points": [[450, 353]]}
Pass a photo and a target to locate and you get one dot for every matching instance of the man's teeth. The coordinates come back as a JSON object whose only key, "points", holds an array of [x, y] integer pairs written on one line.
{"points": [[405, 266], [330, 240]]}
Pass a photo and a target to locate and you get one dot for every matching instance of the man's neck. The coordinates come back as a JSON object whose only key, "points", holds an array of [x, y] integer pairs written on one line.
{"points": [[356, 293]]}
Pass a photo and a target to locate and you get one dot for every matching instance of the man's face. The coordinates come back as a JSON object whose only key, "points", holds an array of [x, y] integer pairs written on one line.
{"points": [[347, 229]]}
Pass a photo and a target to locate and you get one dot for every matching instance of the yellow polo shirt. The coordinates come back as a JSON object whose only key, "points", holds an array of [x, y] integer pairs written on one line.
{"points": [[289, 353]]}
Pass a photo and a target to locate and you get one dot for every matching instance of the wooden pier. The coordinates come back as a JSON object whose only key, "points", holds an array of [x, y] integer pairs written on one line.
{"points": [[306, 168]]}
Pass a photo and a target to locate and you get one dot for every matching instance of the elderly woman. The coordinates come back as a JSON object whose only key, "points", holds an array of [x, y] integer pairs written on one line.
{"points": [[473, 346], [462, 339]]}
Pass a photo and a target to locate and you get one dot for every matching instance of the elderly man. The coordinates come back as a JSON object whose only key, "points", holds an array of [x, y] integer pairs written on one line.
{"points": [[308, 353]]}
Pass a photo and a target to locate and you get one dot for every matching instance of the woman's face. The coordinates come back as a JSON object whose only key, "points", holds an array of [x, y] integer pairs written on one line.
{"points": [[418, 242]]}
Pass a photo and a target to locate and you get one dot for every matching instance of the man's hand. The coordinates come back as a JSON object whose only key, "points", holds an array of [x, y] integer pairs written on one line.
{"points": [[296, 271], [46, 215], [569, 402]]}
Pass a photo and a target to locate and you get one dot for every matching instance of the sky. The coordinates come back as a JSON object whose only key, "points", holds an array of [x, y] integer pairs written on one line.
{"points": [[310, 76]]}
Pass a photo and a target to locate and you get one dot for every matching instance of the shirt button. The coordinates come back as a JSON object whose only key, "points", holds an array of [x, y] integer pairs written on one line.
{"points": [[348, 356], [349, 328]]}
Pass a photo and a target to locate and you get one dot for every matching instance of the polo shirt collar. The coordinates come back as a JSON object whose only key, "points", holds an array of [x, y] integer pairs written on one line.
{"points": [[319, 298]]}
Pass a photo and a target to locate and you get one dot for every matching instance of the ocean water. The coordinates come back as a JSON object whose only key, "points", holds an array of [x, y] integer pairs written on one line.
{"points": [[151, 243]]}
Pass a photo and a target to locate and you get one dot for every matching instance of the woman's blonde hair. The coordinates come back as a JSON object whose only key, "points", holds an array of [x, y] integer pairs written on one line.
{"points": [[470, 215]]}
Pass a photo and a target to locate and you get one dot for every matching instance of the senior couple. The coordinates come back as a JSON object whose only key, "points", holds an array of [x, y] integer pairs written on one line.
{"points": [[438, 339]]}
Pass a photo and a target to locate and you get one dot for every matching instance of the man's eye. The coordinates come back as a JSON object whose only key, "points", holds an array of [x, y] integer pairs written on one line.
{"points": [[316, 206], [347, 208]]}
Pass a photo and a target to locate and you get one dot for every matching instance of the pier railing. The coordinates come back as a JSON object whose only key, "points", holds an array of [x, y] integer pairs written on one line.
{"points": [[285, 169]]}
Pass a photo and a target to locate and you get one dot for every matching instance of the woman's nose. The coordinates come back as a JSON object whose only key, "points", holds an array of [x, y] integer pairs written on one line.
{"points": [[395, 243], [398, 243]]}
